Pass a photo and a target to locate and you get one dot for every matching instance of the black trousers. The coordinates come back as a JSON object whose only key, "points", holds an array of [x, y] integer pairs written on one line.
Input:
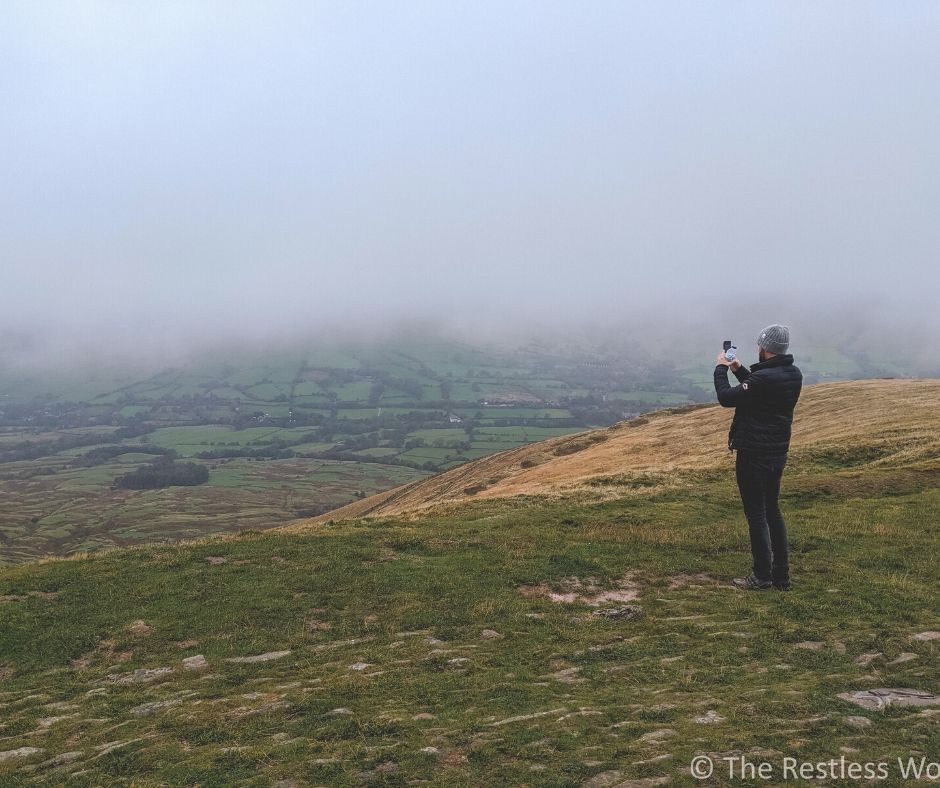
{"points": [[759, 483]]}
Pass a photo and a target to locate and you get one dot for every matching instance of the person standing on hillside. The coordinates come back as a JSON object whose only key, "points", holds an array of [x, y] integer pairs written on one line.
{"points": [[763, 405]]}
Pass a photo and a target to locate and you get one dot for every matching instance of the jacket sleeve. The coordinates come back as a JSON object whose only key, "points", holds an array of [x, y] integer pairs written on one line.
{"points": [[731, 396], [742, 373]]}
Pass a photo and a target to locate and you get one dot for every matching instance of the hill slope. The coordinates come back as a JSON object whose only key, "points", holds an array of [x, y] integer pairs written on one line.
{"points": [[876, 422], [551, 640]]}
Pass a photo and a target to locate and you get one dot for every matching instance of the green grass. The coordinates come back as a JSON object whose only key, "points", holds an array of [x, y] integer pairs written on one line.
{"points": [[374, 592]]}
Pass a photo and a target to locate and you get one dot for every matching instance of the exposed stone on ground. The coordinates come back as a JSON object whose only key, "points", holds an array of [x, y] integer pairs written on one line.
{"points": [[48, 722], [266, 657], [340, 712], [657, 735], [216, 559], [615, 779], [906, 656], [20, 752], [624, 611], [360, 666], [264, 708], [139, 676], [565, 676], [140, 628], [429, 750], [657, 759], [382, 770], [856, 721], [423, 716], [523, 717], [710, 717], [146, 709], [111, 746], [586, 590], [196, 662], [926, 636], [490, 634], [46, 595], [866, 659], [881, 698], [61, 759], [810, 645]]}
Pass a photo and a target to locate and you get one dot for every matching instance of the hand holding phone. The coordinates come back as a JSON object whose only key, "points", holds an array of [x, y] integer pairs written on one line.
{"points": [[731, 350]]}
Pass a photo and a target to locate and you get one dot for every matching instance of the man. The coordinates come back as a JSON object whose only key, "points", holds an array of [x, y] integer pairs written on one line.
{"points": [[763, 405]]}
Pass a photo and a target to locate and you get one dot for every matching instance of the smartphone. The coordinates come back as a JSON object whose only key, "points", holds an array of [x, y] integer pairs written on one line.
{"points": [[726, 345]]}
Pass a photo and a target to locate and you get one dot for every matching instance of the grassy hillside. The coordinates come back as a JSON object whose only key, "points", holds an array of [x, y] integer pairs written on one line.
{"points": [[463, 645], [878, 424]]}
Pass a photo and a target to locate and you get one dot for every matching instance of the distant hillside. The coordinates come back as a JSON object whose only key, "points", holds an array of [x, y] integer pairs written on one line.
{"points": [[872, 423]]}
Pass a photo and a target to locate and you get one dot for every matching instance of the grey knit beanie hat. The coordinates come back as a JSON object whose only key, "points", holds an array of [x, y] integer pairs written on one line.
{"points": [[774, 339]]}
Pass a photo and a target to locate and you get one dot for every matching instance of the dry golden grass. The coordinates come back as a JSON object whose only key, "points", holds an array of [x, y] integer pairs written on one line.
{"points": [[869, 423]]}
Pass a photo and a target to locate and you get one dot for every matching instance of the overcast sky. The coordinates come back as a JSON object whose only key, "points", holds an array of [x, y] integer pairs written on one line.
{"points": [[250, 166]]}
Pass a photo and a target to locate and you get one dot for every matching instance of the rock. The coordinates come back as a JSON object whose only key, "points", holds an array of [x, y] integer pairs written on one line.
{"points": [[926, 636], [658, 759], [266, 657], [423, 716], [621, 612], [215, 560], [657, 735], [140, 628], [264, 708], [430, 750], [62, 705], [810, 645], [146, 709], [604, 779], [111, 746], [523, 717], [866, 659], [360, 666], [458, 661], [490, 634], [433, 641], [140, 676], [906, 656], [196, 662], [565, 676], [615, 779], [709, 718], [382, 770], [48, 722], [21, 752], [340, 712], [62, 759], [855, 721], [881, 698]]}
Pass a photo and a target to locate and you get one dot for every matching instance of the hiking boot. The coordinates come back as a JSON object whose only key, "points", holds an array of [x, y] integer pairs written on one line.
{"points": [[751, 583], [782, 585]]}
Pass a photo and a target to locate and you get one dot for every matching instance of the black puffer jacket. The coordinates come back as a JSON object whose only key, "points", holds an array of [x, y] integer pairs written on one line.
{"points": [[763, 403]]}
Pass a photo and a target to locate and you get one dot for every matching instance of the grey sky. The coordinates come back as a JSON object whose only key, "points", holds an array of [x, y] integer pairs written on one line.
{"points": [[251, 166]]}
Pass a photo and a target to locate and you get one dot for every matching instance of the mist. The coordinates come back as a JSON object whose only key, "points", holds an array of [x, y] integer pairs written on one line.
{"points": [[179, 175]]}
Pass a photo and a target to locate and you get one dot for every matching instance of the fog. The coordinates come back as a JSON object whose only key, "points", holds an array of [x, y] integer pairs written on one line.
{"points": [[182, 173]]}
